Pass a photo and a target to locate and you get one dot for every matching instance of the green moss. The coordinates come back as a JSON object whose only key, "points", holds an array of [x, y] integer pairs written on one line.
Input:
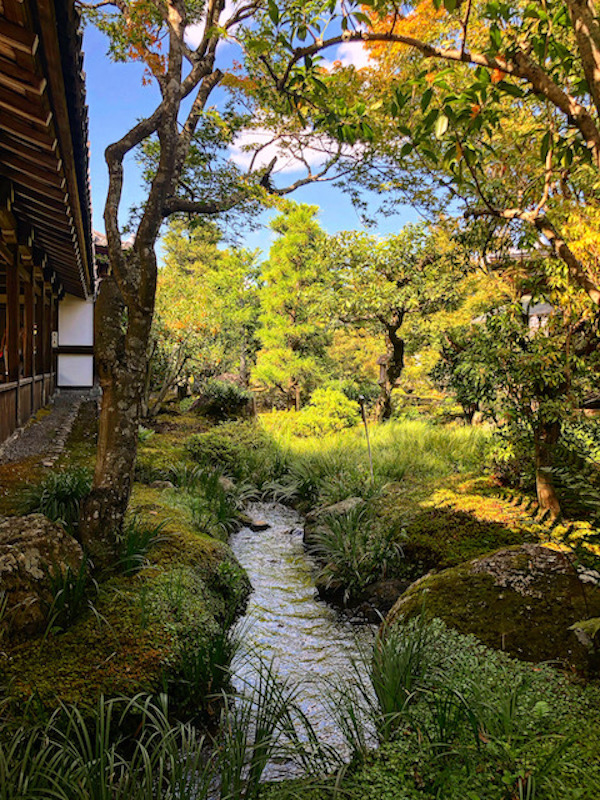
{"points": [[131, 639], [533, 626]]}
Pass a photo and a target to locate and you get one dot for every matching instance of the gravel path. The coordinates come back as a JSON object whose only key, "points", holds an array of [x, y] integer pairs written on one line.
{"points": [[46, 436]]}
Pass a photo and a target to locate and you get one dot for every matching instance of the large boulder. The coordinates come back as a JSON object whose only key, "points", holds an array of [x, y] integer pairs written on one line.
{"points": [[31, 549], [523, 600]]}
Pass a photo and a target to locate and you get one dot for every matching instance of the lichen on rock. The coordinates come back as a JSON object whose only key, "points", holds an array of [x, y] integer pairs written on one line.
{"points": [[522, 599], [31, 548]]}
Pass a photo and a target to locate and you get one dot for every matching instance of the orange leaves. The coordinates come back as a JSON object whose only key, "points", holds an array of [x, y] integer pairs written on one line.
{"points": [[421, 23], [242, 82], [497, 75], [475, 110], [143, 33]]}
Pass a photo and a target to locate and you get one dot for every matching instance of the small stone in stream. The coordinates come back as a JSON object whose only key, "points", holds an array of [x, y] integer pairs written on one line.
{"points": [[161, 485], [258, 525]]}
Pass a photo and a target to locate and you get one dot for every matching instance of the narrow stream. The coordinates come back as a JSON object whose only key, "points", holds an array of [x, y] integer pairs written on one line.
{"points": [[307, 640]]}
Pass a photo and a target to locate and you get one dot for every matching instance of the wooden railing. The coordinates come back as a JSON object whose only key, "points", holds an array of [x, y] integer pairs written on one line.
{"points": [[20, 399]]}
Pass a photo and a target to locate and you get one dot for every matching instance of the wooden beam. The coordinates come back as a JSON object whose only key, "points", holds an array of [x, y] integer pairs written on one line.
{"points": [[5, 253], [29, 187], [26, 107], [32, 201], [8, 221], [28, 132], [16, 77], [18, 38], [49, 161], [44, 218], [24, 167]]}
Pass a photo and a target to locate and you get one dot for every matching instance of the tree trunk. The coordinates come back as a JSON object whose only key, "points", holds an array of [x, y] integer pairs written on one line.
{"points": [[469, 412], [121, 357], [391, 366], [545, 439], [244, 372]]}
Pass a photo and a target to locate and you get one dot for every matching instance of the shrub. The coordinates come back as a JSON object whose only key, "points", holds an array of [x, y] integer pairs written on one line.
{"points": [[223, 400], [242, 450], [59, 496], [328, 411]]}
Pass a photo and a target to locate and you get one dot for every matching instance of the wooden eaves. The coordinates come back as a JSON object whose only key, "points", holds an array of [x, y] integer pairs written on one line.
{"points": [[44, 183]]}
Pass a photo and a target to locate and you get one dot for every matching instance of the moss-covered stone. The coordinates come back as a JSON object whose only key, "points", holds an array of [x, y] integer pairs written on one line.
{"points": [[522, 600]]}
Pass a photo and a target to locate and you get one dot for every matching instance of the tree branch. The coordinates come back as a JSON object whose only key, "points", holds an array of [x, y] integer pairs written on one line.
{"points": [[544, 226]]}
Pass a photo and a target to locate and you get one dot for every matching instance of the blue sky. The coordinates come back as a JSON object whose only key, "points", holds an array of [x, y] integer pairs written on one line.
{"points": [[117, 99]]}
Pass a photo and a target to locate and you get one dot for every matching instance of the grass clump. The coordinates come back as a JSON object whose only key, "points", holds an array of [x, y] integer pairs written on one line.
{"points": [[59, 496], [244, 451], [130, 749], [136, 539], [354, 551], [72, 592], [456, 720]]}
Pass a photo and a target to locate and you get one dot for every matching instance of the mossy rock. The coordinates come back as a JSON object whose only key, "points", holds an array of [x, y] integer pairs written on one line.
{"points": [[520, 599]]}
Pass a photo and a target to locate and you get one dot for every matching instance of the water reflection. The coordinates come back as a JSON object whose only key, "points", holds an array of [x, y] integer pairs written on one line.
{"points": [[307, 640]]}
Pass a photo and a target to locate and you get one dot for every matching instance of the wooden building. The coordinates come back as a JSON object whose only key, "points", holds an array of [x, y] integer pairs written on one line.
{"points": [[47, 269]]}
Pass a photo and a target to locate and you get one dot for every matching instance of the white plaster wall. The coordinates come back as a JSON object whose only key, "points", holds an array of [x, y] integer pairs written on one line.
{"points": [[75, 321], [75, 370]]}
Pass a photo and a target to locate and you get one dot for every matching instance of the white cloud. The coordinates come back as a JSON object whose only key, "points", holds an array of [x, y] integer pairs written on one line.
{"points": [[194, 33], [256, 148], [349, 54]]}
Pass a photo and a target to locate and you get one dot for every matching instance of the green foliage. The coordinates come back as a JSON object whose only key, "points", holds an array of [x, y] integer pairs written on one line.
{"points": [[136, 539], [144, 434], [292, 335], [222, 400], [70, 590], [457, 720], [354, 552], [214, 511], [206, 314], [59, 496], [328, 411], [243, 450], [202, 670]]}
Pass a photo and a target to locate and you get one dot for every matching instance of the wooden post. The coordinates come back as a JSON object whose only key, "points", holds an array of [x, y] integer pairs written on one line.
{"points": [[53, 327], [12, 318], [29, 321], [12, 326], [39, 322], [47, 325]]}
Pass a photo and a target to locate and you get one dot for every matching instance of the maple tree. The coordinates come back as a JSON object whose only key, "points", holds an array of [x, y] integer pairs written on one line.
{"points": [[392, 287], [482, 92], [184, 144]]}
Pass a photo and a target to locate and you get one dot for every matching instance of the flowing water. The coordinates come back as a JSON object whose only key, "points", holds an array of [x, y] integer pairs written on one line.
{"points": [[307, 640]]}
